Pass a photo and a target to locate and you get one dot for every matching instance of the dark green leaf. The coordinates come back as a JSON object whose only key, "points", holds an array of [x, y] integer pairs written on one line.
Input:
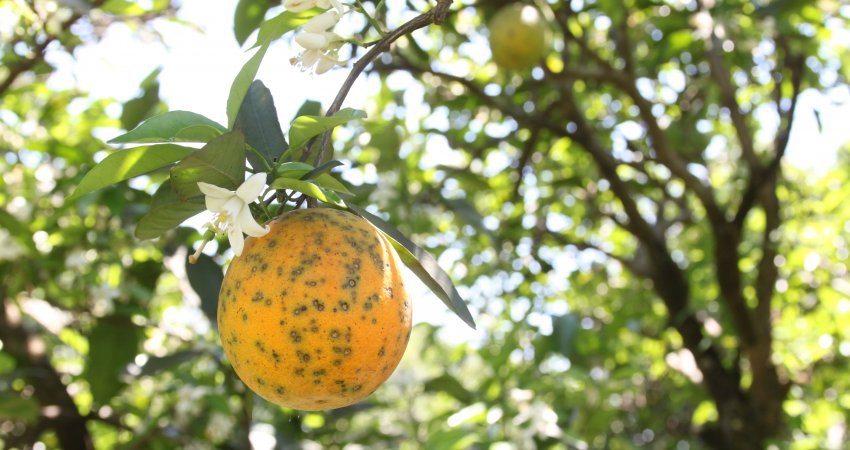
{"points": [[17, 229], [242, 83], [173, 126], [143, 106], [248, 16], [167, 212], [129, 163], [564, 329], [450, 385], [309, 108], [305, 127], [158, 364], [221, 162], [258, 121], [205, 277], [422, 264], [13, 407], [113, 343]]}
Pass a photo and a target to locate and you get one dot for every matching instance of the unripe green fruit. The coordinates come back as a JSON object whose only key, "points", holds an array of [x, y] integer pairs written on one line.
{"points": [[519, 37]]}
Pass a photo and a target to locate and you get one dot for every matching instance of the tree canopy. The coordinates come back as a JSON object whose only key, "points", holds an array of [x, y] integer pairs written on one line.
{"points": [[644, 267]]}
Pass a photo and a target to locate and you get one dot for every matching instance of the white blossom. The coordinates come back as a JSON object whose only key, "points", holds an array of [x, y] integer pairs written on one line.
{"points": [[304, 5], [322, 22], [233, 211]]}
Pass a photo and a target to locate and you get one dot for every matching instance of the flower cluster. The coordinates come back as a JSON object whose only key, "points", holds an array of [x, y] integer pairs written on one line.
{"points": [[321, 45]]}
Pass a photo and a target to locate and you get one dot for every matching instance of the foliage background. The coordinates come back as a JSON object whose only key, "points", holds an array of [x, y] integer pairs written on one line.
{"points": [[109, 334]]}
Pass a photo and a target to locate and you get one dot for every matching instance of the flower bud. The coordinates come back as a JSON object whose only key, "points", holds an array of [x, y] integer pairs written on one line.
{"points": [[322, 22], [299, 5], [311, 41]]}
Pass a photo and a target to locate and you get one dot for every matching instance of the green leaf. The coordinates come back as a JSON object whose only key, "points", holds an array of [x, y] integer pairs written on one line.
{"points": [[291, 167], [328, 182], [308, 188], [129, 163], [422, 264], [205, 277], [258, 121], [450, 385], [13, 407], [242, 83], [564, 330], [221, 162], [146, 104], [309, 108], [305, 127], [167, 212], [277, 26], [173, 126], [113, 343], [248, 16], [157, 364]]}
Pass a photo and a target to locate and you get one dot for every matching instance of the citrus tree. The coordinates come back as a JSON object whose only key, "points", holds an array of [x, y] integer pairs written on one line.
{"points": [[611, 200]]}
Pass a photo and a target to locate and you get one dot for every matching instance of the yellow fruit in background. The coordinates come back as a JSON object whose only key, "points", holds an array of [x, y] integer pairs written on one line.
{"points": [[314, 315], [519, 37]]}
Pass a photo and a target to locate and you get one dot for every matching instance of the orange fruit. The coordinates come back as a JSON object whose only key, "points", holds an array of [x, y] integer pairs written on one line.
{"points": [[314, 314], [519, 37]]}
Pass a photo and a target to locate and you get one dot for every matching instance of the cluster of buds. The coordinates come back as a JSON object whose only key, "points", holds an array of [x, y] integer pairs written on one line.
{"points": [[321, 45]]}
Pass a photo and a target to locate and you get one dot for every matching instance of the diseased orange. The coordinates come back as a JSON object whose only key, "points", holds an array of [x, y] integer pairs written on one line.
{"points": [[314, 314]]}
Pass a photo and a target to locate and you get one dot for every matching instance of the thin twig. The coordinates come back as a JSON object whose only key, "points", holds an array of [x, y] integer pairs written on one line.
{"points": [[434, 16]]}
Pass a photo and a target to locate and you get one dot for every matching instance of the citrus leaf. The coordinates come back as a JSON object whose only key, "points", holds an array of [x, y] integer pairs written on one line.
{"points": [[450, 385], [305, 127], [113, 343], [17, 408], [221, 162], [146, 104], [258, 121], [422, 264], [205, 277], [167, 212], [157, 364], [242, 83], [172, 126], [327, 181], [248, 16], [307, 187], [277, 26], [128, 163], [294, 169]]}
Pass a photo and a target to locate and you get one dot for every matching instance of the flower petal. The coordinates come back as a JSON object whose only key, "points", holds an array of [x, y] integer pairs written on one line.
{"points": [[237, 241], [231, 209], [216, 204], [252, 187], [213, 190], [325, 64], [321, 22], [309, 58], [311, 40], [299, 5], [249, 225]]}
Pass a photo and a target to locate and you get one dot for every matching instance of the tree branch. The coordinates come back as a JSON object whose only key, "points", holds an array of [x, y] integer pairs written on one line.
{"points": [[435, 16]]}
